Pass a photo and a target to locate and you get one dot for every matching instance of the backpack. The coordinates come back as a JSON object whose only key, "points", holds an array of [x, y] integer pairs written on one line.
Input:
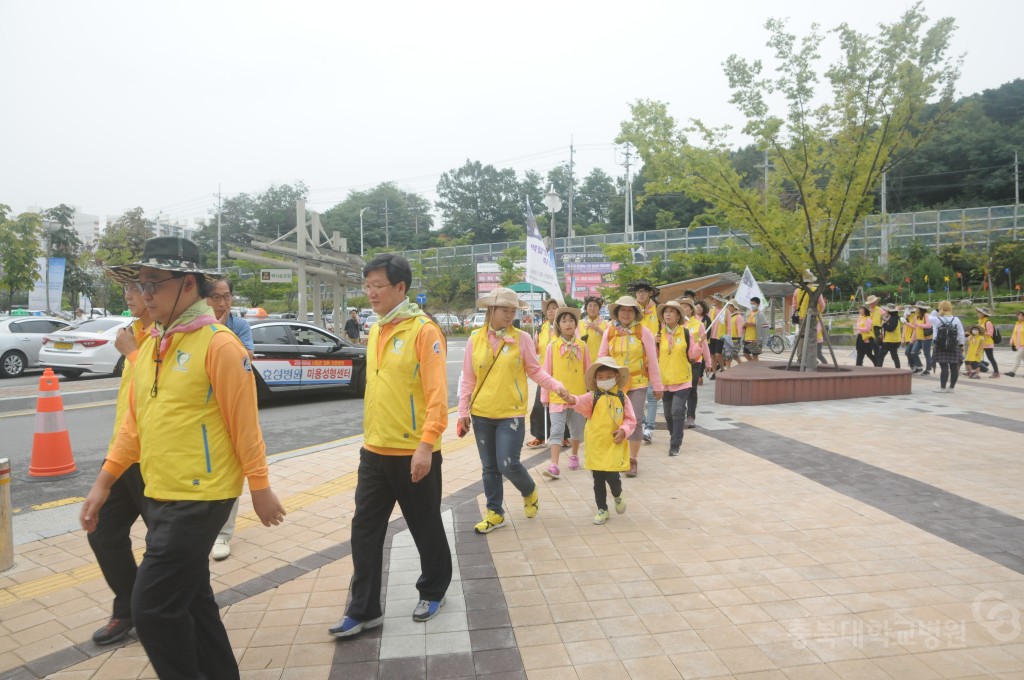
{"points": [[996, 335], [598, 394], [946, 339]]}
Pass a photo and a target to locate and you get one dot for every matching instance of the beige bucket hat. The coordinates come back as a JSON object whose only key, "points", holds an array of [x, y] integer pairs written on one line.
{"points": [[590, 379], [624, 301], [676, 305], [502, 297], [872, 300], [568, 310], [809, 276]]}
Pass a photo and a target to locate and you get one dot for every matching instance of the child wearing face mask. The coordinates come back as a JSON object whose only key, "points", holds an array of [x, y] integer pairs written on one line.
{"points": [[975, 350], [610, 421]]}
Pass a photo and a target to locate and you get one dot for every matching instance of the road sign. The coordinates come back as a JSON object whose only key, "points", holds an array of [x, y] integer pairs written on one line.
{"points": [[276, 275], [421, 299]]}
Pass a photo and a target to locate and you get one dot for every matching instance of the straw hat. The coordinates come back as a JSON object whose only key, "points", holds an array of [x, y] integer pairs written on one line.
{"points": [[688, 301], [984, 311], [624, 301], [872, 300], [676, 305], [590, 381], [567, 310], [732, 303], [809, 276], [502, 297], [891, 308], [923, 307]]}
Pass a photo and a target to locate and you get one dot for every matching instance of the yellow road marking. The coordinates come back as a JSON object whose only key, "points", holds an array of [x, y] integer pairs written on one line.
{"points": [[58, 503], [87, 572]]}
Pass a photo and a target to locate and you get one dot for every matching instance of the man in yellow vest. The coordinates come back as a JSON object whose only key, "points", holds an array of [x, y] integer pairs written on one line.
{"points": [[404, 413], [192, 425]]}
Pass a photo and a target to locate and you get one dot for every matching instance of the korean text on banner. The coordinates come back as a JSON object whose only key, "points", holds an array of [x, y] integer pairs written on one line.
{"points": [[540, 262], [748, 288]]}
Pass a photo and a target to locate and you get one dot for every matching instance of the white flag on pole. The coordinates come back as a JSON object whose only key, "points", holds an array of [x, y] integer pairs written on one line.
{"points": [[748, 288], [540, 262]]}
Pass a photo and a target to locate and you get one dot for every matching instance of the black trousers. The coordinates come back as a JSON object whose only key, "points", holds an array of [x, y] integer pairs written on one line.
{"points": [[891, 348], [111, 543], [175, 614], [614, 483], [990, 353], [865, 348], [674, 406], [949, 371], [384, 481]]}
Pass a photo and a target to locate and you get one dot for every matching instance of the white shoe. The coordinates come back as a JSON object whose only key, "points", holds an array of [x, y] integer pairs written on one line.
{"points": [[941, 390], [221, 549]]}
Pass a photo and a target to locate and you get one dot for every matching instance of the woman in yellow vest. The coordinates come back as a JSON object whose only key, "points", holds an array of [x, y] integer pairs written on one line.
{"points": [[610, 420], [865, 335], [1017, 343], [566, 360], [592, 326], [891, 335], [540, 422], [676, 352], [646, 296], [632, 346], [498, 359], [696, 322], [733, 348], [908, 335], [988, 330]]}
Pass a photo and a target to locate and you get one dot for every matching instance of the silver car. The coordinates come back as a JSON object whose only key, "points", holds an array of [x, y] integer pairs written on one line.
{"points": [[20, 340], [85, 347]]}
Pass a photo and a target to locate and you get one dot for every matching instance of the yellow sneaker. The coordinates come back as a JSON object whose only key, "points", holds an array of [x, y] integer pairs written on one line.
{"points": [[530, 504], [489, 523], [601, 517], [620, 505]]}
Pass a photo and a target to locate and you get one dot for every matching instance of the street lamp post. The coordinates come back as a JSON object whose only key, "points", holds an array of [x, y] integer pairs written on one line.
{"points": [[553, 203], [361, 230]]}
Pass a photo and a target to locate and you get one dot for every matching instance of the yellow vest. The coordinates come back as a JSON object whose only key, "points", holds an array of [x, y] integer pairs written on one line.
{"points": [[500, 382], [567, 369], [649, 319], [394, 406], [602, 452], [876, 317], [186, 449], [908, 332], [593, 337], [674, 364], [545, 337], [121, 406], [975, 347], [803, 299], [893, 335], [628, 351], [750, 330]]}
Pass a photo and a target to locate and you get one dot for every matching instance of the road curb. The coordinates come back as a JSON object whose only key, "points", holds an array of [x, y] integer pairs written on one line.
{"points": [[8, 404]]}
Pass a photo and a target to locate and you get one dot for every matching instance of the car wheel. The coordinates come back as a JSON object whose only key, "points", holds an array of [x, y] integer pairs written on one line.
{"points": [[70, 373], [12, 364], [263, 393], [360, 384], [119, 368]]}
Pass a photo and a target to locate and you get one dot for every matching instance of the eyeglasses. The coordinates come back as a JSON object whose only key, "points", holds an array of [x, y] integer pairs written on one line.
{"points": [[375, 288], [224, 297], [150, 287]]}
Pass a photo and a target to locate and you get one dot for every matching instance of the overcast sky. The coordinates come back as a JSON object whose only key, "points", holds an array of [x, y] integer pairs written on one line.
{"points": [[110, 105]]}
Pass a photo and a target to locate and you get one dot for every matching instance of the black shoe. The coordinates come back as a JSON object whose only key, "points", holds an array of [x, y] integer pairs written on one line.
{"points": [[1010, 373], [112, 632], [712, 377], [673, 451]]}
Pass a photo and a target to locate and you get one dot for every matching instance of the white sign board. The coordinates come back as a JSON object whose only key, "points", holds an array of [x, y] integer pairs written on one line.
{"points": [[276, 275]]}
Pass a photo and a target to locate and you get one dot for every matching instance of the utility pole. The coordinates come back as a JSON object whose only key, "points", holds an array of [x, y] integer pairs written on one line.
{"points": [[387, 238], [218, 228], [1016, 193], [883, 253], [629, 196], [570, 233], [767, 166]]}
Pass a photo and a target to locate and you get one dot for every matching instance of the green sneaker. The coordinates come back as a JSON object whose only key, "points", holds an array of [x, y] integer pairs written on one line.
{"points": [[601, 517], [620, 505], [530, 504], [489, 523]]}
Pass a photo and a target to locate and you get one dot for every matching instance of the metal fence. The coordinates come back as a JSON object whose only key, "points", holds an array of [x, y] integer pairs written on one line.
{"points": [[878, 236]]}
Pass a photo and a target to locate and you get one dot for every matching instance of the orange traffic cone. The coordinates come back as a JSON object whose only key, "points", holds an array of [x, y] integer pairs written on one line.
{"points": [[51, 445]]}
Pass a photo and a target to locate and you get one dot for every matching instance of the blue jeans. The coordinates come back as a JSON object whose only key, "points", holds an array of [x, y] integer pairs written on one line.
{"points": [[652, 410], [499, 442], [926, 345]]}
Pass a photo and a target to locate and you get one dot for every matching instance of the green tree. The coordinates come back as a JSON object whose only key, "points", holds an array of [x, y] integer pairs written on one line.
{"points": [[405, 214], [475, 199], [19, 248], [123, 240], [628, 270], [511, 271], [828, 156], [447, 288], [244, 217]]}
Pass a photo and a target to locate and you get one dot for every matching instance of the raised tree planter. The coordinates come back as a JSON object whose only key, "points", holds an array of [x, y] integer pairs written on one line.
{"points": [[754, 384]]}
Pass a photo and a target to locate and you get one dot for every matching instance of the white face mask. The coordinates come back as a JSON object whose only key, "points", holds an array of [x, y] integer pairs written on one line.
{"points": [[608, 384], [974, 332]]}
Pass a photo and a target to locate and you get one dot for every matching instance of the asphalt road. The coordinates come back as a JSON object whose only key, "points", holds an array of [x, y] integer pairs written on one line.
{"points": [[289, 423]]}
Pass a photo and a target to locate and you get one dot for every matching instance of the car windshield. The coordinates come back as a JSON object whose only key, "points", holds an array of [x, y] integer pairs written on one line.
{"points": [[97, 325]]}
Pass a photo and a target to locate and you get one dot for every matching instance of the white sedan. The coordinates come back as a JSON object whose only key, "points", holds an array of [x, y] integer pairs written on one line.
{"points": [[21, 337], [86, 347]]}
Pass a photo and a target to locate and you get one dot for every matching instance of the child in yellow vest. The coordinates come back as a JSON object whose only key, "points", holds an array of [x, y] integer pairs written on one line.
{"points": [[566, 360], [676, 352], [592, 326], [610, 421], [540, 423], [975, 350]]}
